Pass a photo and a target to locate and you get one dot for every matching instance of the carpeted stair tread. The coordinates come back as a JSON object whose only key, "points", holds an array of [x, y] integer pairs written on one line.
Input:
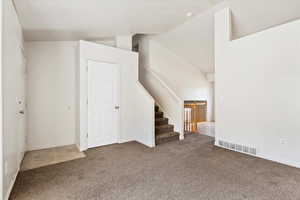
{"points": [[161, 121], [166, 137], [164, 132], [164, 128], [159, 114]]}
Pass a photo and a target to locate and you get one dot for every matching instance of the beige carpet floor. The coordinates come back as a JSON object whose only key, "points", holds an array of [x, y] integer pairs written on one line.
{"points": [[180, 170], [45, 157]]}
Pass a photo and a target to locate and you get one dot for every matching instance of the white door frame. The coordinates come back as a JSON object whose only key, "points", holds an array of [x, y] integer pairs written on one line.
{"points": [[119, 96], [1, 108], [24, 104]]}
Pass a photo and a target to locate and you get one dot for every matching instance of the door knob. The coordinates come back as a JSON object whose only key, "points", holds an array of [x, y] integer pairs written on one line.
{"points": [[22, 112], [117, 107]]}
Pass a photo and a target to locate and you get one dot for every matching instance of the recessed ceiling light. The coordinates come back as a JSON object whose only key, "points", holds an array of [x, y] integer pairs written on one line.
{"points": [[189, 14]]}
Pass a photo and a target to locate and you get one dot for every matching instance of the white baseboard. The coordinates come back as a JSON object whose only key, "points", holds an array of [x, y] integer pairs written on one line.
{"points": [[11, 185], [79, 148]]}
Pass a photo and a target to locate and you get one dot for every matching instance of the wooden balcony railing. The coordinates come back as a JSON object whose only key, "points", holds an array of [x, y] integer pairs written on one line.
{"points": [[194, 112]]}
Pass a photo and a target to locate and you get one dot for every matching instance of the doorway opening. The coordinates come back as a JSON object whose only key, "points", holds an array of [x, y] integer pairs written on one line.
{"points": [[195, 112]]}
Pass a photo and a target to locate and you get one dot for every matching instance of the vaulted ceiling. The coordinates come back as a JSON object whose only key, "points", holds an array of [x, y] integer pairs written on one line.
{"points": [[194, 40], [190, 37], [94, 19]]}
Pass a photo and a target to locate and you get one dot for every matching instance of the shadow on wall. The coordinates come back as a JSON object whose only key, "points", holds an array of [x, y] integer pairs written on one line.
{"points": [[184, 79]]}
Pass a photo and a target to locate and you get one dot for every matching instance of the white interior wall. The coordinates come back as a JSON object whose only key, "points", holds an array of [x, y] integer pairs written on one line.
{"points": [[124, 42], [256, 82], [1, 107], [166, 99], [51, 93], [136, 106], [109, 42], [144, 117], [12, 88], [188, 82], [193, 41]]}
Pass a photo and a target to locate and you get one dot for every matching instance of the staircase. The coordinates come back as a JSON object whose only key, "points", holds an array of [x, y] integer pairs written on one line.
{"points": [[164, 132]]}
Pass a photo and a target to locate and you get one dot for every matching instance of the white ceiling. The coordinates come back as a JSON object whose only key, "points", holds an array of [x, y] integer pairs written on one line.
{"points": [[191, 38], [250, 16], [194, 41], [195, 38], [95, 19]]}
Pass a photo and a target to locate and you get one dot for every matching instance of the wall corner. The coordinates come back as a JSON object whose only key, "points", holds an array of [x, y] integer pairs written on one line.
{"points": [[223, 26]]}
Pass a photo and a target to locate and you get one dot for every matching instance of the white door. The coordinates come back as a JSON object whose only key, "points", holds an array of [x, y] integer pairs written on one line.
{"points": [[103, 103]]}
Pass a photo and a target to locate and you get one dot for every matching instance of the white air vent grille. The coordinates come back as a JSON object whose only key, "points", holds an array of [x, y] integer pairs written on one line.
{"points": [[238, 147]]}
